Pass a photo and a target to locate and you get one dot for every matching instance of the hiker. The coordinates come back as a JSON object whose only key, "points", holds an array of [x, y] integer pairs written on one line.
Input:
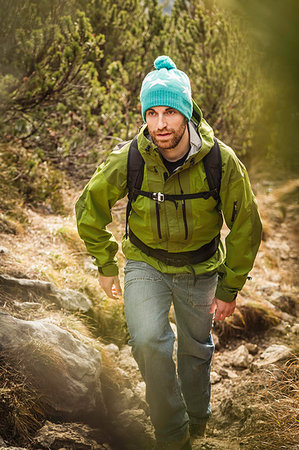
{"points": [[181, 183]]}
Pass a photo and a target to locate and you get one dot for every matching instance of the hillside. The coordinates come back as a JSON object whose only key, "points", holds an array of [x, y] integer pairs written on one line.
{"points": [[255, 368]]}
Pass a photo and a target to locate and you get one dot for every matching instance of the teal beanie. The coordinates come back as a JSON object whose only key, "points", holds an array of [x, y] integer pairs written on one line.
{"points": [[166, 86]]}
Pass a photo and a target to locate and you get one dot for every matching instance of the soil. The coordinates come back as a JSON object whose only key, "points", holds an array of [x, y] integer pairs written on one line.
{"points": [[242, 398]]}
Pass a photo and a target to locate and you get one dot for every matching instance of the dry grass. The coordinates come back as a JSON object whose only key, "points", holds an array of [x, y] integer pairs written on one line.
{"points": [[250, 317], [276, 423], [72, 239], [21, 408]]}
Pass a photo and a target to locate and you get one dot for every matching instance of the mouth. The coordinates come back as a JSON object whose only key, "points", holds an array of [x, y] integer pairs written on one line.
{"points": [[163, 135]]}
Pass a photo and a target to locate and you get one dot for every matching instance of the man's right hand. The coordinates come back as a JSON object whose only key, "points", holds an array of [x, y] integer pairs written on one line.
{"points": [[111, 286]]}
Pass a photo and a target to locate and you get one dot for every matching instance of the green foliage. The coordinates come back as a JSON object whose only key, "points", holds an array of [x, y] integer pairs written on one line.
{"points": [[25, 176], [50, 103], [210, 46], [134, 34], [71, 71]]}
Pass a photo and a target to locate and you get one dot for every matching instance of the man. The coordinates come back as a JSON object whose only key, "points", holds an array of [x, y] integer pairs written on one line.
{"points": [[173, 251]]}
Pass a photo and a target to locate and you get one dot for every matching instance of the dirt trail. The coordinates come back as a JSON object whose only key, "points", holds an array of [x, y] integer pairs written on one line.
{"points": [[242, 417]]}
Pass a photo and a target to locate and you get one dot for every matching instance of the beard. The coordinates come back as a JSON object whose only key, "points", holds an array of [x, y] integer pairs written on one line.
{"points": [[174, 139]]}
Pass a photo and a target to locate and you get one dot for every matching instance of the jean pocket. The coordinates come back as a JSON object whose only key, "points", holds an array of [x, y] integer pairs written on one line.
{"points": [[139, 271], [202, 293]]}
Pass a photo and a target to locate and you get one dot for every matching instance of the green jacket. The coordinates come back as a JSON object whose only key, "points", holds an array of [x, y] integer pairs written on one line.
{"points": [[204, 217]]}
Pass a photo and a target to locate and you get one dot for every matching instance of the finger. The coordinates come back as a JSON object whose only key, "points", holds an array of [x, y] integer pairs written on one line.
{"points": [[115, 294], [213, 306], [218, 316]]}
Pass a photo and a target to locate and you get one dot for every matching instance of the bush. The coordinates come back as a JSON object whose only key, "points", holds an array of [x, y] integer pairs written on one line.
{"points": [[26, 177]]}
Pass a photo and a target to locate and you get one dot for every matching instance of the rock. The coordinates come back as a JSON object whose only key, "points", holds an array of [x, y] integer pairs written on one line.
{"points": [[130, 400], [140, 389], [126, 358], [241, 357], [89, 266], [295, 329], [215, 377], [28, 305], [4, 251], [252, 348], [69, 435], [284, 302], [128, 397], [124, 376], [268, 287], [273, 354], [287, 318], [284, 250], [226, 373], [133, 420], [134, 432], [63, 298], [282, 329], [111, 348], [65, 371], [275, 277]]}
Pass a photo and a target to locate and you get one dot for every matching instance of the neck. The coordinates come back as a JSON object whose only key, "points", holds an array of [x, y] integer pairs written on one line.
{"points": [[177, 152]]}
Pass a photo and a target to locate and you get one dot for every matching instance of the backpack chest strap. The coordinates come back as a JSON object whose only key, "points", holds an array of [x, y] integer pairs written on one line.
{"points": [[160, 197]]}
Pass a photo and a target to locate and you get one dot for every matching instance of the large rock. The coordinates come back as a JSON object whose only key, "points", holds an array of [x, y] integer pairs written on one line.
{"points": [[241, 357], [273, 354], [63, 298], [65, 371], [70, 435]]}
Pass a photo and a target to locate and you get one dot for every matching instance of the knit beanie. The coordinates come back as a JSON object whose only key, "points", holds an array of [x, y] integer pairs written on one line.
{"points": [[166, 86]]}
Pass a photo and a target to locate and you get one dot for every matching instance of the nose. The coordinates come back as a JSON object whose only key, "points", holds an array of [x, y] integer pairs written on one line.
{"points": [[161, 122]]}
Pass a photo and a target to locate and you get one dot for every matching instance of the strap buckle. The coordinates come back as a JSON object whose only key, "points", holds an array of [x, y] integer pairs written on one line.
{"points": [[158, 196]]}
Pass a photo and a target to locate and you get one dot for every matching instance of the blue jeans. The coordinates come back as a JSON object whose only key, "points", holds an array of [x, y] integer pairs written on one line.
{"points": [[174, 400]]}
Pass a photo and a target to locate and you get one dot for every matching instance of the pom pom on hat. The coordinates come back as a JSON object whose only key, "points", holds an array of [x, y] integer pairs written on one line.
{"points": [[166, 86], [164, 62]]}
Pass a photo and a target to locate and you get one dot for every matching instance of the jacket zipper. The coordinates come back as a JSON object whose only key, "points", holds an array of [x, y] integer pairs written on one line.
{"points": [[158, 219], [183, 209]]}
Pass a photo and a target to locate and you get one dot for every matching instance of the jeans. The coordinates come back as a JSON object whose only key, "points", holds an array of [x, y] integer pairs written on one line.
{"points": [[174, 397]]}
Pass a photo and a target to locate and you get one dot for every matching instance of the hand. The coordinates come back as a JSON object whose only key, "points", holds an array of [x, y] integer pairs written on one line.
{"points": [[223, 309], [111, 286]]}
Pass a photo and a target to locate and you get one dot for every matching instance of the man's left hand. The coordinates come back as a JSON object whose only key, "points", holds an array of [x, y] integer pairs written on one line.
{"points": [[223, 309]]}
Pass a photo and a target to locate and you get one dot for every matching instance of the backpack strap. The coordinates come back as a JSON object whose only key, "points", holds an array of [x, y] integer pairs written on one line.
{"points": [[135, 169], [213, 168]]}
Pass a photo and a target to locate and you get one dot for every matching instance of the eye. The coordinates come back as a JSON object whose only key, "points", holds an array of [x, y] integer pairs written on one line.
{"points": [[150, 113], [170, 112]]}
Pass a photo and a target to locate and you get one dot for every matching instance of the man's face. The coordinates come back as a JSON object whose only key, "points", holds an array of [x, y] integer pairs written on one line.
{"points": [[166, 126]]}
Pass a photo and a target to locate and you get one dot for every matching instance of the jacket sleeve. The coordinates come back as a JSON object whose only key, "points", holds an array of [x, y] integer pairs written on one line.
{"points": [[93, 210], [241, 215]]}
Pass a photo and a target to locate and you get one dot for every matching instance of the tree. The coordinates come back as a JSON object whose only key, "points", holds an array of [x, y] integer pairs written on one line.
{"points": [[210, 47]]}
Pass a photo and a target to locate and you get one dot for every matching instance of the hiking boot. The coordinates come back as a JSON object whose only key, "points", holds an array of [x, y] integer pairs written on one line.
{"points": [[197, 429], [183, 444]]}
